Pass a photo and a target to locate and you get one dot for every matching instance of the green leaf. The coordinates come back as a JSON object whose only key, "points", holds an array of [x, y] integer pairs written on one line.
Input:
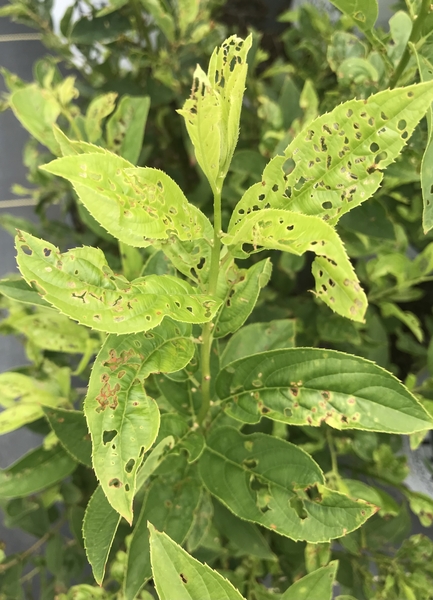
{"points": [[259, 337], [336, 282], [358, 489], [35, 471], [315, 586], [212, 112], [80, 284], [317, 555], [125, 128], [239, 289], [276, 484], [170, 503], [308, 386], [183, 396], [389, 309], [123, 421], [99, 108], [70, 428], [136, 205], [178, 575], [21, 291], [104, 29], [99, 528], [426, 74], [22, 397], [363, 12], [187, 11], [422, 506], [163, 20], [37, 110]]}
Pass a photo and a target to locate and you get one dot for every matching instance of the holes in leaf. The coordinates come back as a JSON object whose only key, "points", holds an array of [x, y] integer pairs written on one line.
{"points": [[126, 487], [47, 252], [129, 465], [309, 136], [374, 147], [27, 250], [275, 188], [116, 483], [250, 463], [410, 94], [326, 129], [108, 436], [298, 506], [371, 121], [314, 494], [349, 113], [405, 135], [323, 144], [327, 205], [184, 579], [383, 116], [402, 124], [381, 156]]}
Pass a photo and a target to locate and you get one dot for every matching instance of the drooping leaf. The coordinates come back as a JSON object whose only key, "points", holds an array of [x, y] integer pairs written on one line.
{"points": [[338, 159], [239, 289], [99, 528], [37, 110], [99, 108], [125, 128], [70, 428], [35, 471], [259, 337], [170, 504], [276, 484], [22, 398], [212, 113], [123, 421], [308, 386], [179, 575], [314, 586], [136, 205], [80, 284], [336, 282]]}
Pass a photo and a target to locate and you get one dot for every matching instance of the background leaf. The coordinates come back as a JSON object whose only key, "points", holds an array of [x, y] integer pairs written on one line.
{"points": [[70, 428], [125, 128], [315, 586]]}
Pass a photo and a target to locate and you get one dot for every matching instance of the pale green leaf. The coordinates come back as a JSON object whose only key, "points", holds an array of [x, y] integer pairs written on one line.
{"points": [[99, 108], [153, 460], [136, 205], [400, 28], [179, 575], [35, 471], [338, 158], [317, 555], [125, 128], [202, 522], [363, 12], [308, 386], [22, 398], [422, 506], [99, 528], [163, 19], [212, 112], [187, 11], [132, 261], [315, 586], [259, 337], [70, 428], [171, 503], [358, 489], [239, 289], [80, 284], [276, 484], [37, 110], [336, 282]]}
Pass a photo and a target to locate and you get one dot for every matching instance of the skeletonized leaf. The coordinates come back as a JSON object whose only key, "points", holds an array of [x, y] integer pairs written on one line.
{"points": [[179, 575], [308, 386], [123, 421], [170, 504], [80, 284], [336, 282], [239, 289], [314, 586], [259, 337], [22, 397], [276, 484], [213, 110], [35, 471], [136, 205], [99, 528], [70, 428], [125, 128]]}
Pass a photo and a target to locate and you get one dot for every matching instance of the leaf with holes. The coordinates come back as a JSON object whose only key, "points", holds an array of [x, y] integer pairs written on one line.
{"points": [[170, 504], [136, 205], [239, 289], [259, 337], [99, 528], [338, 159], [70, 428], [80, 284], [35, 471], [22, 398], [179, 575], [123, 421], [336, 282], [308, 386], [99, 108], [276, 484], [212, 113], [363, 12], [317, 585], [125, 128]]}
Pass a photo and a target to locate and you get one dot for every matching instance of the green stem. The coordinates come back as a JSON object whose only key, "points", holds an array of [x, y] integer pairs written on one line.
{"points": [[416, 30], [333, 453], [207, 336]]}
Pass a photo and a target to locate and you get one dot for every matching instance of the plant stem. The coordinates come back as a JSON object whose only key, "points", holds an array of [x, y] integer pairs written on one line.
{"points": [[416, 30], [207, 336], [333, 453]]}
